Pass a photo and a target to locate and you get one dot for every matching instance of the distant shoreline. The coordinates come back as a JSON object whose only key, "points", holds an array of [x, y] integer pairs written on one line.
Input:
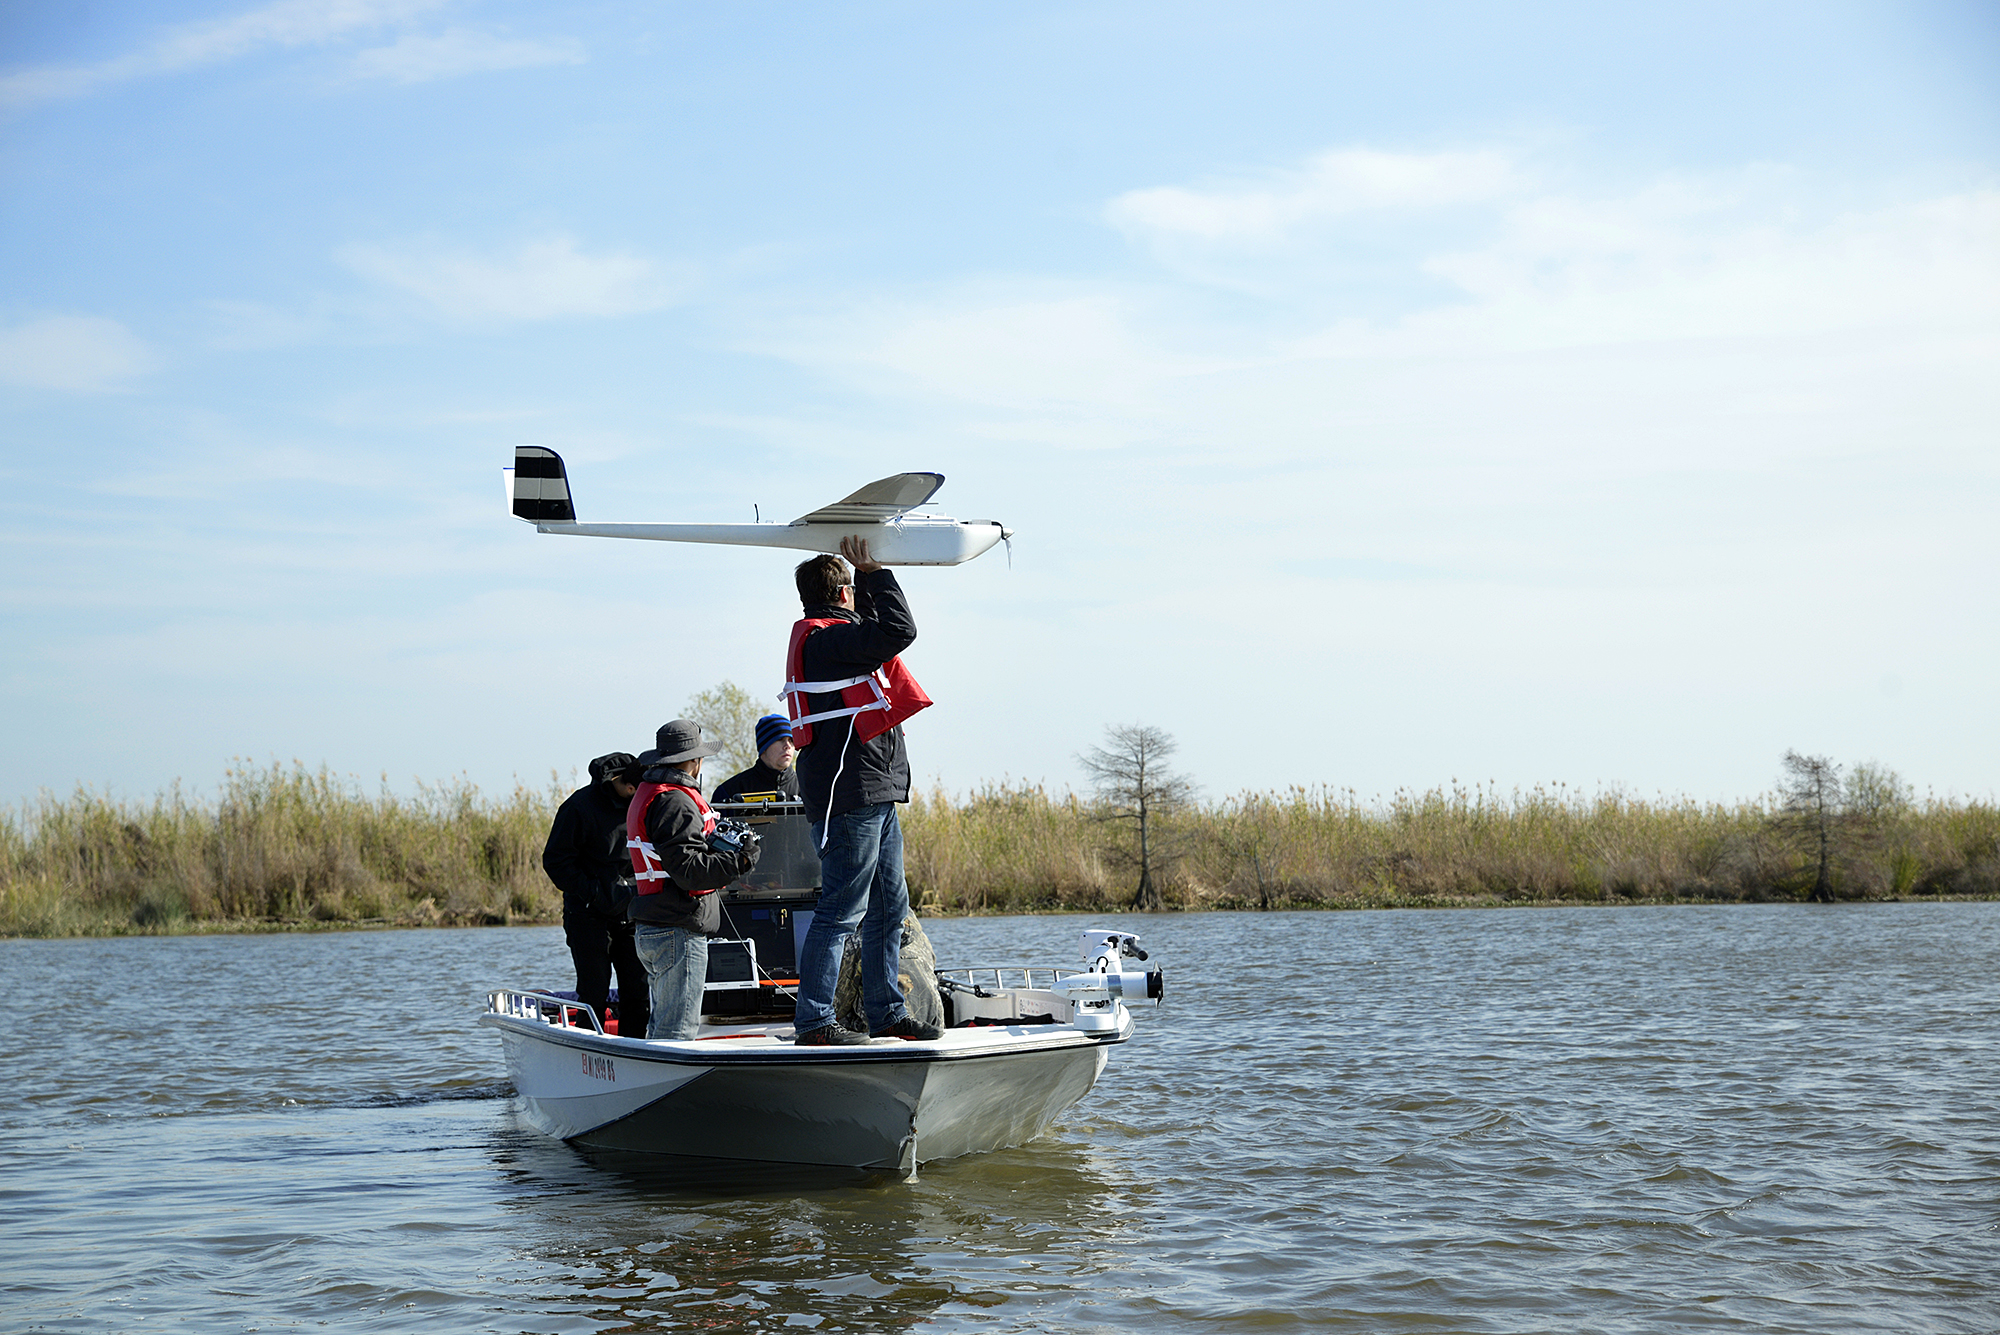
{"points": [[296, 850], [267, 927]]}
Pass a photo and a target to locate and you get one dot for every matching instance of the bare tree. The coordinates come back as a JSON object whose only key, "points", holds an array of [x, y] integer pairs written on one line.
{"points": [[1810, 791], [728, 714], [1130, 776]]}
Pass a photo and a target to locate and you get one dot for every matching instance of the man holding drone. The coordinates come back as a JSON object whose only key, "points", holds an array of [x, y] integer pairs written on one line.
{"points": [[849, 694]]}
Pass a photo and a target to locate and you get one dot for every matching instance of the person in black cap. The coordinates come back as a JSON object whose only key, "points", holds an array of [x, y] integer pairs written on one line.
{"points": [[674, 912], [585, 857], [773, 772]]}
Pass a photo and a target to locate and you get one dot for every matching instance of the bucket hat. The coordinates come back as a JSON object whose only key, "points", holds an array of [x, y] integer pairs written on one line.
{"points": [[677, 741]]}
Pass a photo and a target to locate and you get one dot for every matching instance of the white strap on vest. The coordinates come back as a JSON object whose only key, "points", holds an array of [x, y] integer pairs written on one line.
{"points": [[653, 871], [803, 688], [881, 701], [652, 861]]}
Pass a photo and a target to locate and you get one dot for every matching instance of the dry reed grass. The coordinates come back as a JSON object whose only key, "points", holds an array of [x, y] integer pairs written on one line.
{"points": [[1018, 849], [281, 847], [290, 848]]}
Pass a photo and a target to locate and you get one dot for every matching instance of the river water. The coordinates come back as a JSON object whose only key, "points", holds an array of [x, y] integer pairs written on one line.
{"points": [[1766, 1119]]}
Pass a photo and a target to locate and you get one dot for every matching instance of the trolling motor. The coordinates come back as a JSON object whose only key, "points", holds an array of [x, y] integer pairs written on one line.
{"points": [[1094, 994]]}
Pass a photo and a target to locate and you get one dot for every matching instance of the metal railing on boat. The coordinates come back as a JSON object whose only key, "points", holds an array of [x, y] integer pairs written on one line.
{"points": [[558, 1012], [1002, 978], [524, 1004]]}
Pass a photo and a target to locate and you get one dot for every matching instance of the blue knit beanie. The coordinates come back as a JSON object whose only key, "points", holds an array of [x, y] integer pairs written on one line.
{"points": [[771, 728]]}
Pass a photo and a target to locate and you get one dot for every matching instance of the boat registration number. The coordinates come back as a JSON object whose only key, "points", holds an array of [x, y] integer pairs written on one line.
{"points": [[599, 1068]]}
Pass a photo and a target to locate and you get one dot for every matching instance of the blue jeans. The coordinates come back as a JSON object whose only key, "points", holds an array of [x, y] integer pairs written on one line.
{"points": [[860, 884], [676, 967]]}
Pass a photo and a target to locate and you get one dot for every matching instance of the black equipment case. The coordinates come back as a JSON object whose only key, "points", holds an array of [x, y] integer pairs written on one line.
{"points": [[753, 965]]}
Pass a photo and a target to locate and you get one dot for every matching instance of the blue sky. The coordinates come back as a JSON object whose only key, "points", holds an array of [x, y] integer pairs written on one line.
{"points": [[1383, 396]]}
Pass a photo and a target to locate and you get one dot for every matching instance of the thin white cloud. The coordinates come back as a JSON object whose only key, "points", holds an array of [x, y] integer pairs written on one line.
{"points": [[287, 23], [540, 280], [1042, 350], [416, 58], [1331, 185], [71, 352], [1469, 251], [1548, 325], [240, 325], [1676, 260], [1568, 272]]}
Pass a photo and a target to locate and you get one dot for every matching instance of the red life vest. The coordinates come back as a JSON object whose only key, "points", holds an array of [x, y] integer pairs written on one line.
{"points": [[646, 869], [877, 701]]}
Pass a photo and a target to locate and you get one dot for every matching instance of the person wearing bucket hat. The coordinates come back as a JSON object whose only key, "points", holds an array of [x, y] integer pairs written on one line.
{"points": [[773, 772], [585, 857], [675, 911]]}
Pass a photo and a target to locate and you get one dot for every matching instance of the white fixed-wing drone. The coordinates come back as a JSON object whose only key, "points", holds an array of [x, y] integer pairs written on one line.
{"points": [[538, 492]]}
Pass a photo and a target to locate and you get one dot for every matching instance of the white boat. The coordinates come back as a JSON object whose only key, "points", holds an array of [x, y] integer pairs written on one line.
{"points": [[1021, 1045]]}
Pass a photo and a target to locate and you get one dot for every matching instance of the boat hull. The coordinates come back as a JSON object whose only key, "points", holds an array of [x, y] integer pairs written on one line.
{"points": [[889, 1105]]}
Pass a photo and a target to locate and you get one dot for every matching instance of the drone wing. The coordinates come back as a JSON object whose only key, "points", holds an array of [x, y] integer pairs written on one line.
{"points": [[878, 502]]}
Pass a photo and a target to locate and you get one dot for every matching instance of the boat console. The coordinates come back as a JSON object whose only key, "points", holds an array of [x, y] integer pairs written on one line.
{"points": [[753, 967]]}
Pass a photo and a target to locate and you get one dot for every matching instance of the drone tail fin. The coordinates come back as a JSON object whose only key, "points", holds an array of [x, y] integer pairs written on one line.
{"points": [[538, 487]]}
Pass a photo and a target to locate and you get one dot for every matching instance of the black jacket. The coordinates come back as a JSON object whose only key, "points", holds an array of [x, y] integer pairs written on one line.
{"points": [[759, 778], [838, 773], [673, 827], [586, 856]]}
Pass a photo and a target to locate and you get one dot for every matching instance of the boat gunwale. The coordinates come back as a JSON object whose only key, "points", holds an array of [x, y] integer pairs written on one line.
{"points": [[714, 1053]]}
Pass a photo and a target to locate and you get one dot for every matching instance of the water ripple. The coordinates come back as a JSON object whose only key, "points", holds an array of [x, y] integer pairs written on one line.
{"points": [[1768, 1120]]}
